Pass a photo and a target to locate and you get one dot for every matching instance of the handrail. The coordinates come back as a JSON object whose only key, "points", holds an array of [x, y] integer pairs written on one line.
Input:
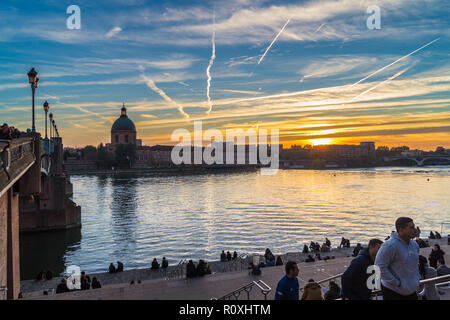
{"points": [[177, 269], [327, 279], [265, 290]]}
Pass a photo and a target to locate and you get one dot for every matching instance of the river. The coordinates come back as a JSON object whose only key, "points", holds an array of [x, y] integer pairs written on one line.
{"points": [[136, 218]]}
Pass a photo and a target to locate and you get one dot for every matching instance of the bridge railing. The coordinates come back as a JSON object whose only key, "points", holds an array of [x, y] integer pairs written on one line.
{"points": [[235, 294], [16, 156]]}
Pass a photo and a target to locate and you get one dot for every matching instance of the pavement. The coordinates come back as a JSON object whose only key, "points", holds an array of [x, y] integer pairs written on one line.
{"points": [[217, 284]]}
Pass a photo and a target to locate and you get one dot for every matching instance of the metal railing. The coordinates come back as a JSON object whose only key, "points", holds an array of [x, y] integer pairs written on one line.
{"points": [[177, 272], [377, 293], [261, 285], [235, 265]]}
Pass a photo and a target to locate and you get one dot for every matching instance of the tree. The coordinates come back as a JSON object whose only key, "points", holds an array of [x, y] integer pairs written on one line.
{"points": [[125, 154], [89, 153], [382, 151], [440, 150], [103, 157]]}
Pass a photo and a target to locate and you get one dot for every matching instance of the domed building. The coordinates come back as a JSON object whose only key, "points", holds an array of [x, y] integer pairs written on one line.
{"points": [[123, 129]]}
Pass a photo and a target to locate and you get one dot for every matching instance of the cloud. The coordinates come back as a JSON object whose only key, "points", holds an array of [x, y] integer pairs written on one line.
{"points": [[208, 71], [114, 31], [163, 95]]}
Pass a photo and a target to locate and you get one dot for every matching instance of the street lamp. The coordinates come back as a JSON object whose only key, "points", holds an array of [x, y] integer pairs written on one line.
{"points": [[46, 107], [50, 117], [33, 80]]}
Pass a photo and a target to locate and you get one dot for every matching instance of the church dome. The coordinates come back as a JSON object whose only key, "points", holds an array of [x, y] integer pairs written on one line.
{"points": [[123, 123]]}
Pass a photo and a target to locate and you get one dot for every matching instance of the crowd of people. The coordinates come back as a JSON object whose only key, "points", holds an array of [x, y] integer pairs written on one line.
{"points": [[8, 133], [400, 266], [199, 270], [227, 256]]}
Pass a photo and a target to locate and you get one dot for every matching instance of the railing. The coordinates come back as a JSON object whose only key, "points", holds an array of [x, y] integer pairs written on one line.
{"points": [[178, 271], [265, 290], [235, 265], [327, 279]]}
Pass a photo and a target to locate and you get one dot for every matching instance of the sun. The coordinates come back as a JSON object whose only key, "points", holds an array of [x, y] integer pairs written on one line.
{"points": [[317, 142]]}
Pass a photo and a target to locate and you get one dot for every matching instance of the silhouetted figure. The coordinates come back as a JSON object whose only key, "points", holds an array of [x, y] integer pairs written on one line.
{"points": [[438, 235], [279, 261], [309, 259], [62, 287], [164, 263], [49, 275], [85, 284], [357, 249], [95, 283], [328, 242], [155, 264], [228, 256], [270, 258], [112, 268], [40, 275], [201, 268], [191, 271], [347, 244], [334, 291], [436, 254], [342, 245], [223, 256], [119, 266], [235, 255], [418, 232], [84, 276], [305, 249], [312, 246], [432, 236]]}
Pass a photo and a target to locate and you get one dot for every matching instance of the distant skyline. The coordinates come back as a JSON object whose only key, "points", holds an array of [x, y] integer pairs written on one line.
{"points": [[311, 69]]}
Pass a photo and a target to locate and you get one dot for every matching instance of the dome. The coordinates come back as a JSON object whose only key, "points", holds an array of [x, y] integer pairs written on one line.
{"points": [[123, 122]]}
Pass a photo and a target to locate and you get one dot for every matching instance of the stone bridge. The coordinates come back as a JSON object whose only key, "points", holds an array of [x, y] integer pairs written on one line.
{"points": [[34, 196], [420, 161]]}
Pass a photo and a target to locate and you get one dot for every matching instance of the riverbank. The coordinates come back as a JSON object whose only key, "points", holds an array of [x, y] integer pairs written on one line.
{"points": [[211, 286], [163, 171], [34, 287]]}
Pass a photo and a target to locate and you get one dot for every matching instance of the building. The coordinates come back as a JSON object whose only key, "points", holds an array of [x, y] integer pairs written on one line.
{"points": [[348, 151], [123, 129]]}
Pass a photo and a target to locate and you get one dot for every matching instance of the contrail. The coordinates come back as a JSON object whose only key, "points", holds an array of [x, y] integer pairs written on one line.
{"points": [[149, 82], [273, 41], [381, 83], [400, 59], [208, 69], [317, 30]]}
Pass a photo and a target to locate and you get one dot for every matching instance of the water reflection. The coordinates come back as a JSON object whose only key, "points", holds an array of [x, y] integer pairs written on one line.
{"points": [[135, 218], [46, 250]]}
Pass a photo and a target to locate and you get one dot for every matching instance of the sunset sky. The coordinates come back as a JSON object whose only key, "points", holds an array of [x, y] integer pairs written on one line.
{"points": [[326, 75]]}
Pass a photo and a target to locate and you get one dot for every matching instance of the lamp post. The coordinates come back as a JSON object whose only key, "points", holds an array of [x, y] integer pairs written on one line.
{"points": [[46, 107], [50, 117], [33, 80]]}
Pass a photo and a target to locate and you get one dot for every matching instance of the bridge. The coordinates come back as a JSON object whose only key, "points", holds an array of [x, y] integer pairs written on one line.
{"points": [[34, 195], [420, 161]]}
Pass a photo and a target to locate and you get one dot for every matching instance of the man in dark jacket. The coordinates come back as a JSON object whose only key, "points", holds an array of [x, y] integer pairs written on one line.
{"points": [[354, 279]]}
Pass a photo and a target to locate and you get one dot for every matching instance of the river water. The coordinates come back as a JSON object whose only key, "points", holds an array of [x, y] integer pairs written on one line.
{"points": [[136, 218]]}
